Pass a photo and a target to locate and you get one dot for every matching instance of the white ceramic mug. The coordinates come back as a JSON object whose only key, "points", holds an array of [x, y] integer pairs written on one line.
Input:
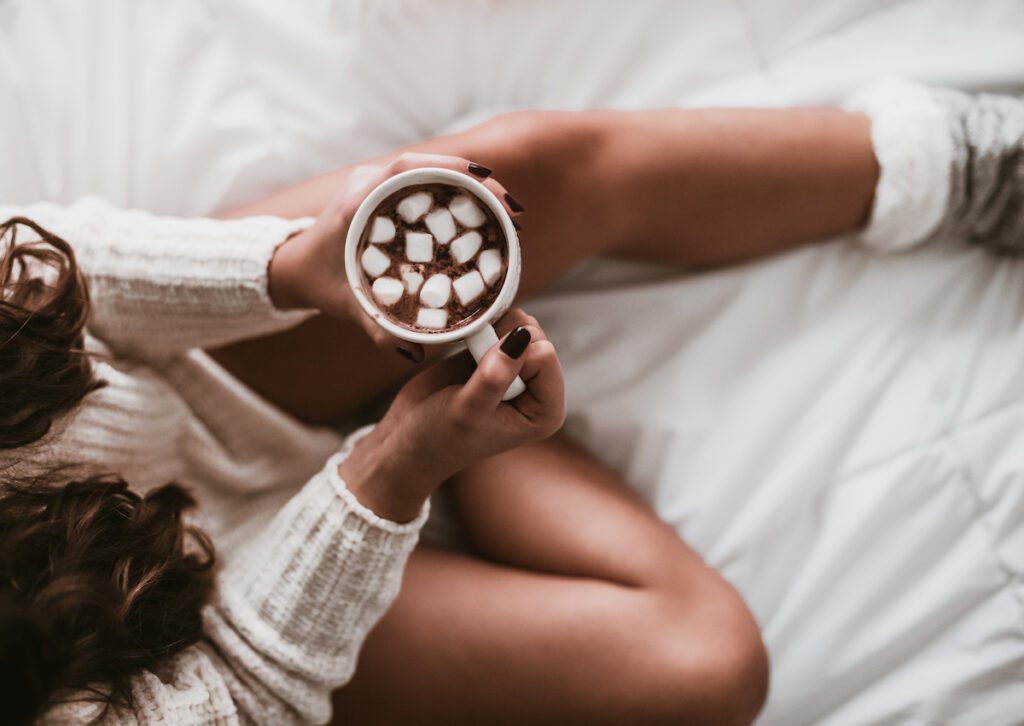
{"points": [[479, 333]]}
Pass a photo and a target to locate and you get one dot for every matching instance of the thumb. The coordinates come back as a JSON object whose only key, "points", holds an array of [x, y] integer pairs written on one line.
{"points": [[494, 373], [389, 344]]}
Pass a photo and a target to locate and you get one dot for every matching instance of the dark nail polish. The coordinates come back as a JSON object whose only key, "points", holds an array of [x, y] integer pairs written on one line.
{"points": [[406, 354], [513, 204], [477, 170], [516, 342], [518, 226]]}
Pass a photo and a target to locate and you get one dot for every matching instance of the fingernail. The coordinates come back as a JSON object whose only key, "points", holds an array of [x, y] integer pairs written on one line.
{"points": [[406, 354], [513, 204], [518, 226], [516, 342], [477, 170]]}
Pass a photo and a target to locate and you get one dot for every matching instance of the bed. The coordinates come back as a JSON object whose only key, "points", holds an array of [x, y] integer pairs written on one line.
{"points": [[840, 434]]}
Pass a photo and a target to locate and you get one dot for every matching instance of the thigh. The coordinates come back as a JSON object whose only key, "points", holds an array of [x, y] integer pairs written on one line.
{"points": [[470, 641], [583, 607]]}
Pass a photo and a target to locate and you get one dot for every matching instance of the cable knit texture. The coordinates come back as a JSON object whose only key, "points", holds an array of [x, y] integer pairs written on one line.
{"points": [[301, 584], [952, 165], [986, 203]]}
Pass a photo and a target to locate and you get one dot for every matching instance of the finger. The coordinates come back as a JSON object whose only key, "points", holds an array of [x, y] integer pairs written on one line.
{"points": [[545, 384], [412, 160], [516, 318], [453, 370], [360, 182], [510, 203], [494, 374], [365, 177], [390, 344]]}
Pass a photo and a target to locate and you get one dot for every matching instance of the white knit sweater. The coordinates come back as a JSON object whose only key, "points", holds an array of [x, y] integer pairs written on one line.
{"points": [[302, 583]]}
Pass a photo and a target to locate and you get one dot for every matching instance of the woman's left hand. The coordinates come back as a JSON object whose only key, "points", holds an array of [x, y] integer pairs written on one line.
{"points": [[451, 415], [308, 270]]}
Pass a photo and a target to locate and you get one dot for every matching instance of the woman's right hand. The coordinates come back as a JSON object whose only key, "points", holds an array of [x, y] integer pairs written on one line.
{"points": [[451, 416], [308, 270]]}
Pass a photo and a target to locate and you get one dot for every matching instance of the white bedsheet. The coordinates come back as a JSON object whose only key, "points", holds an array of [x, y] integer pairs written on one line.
{"points": [[841, 435]]}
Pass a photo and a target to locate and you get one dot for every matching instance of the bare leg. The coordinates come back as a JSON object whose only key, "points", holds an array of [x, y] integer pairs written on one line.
{"points": [[683, 187], [591, 610]]}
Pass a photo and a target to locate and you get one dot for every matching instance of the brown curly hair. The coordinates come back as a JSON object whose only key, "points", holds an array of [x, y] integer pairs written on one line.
{"points": [[96, 582], [44, 303]]}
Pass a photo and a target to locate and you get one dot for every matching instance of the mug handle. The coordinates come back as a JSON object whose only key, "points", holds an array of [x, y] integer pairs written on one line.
{"points": [[482, 341]]}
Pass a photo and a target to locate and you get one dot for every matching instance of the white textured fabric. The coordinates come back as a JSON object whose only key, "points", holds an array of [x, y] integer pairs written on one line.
{"points": [[160, 288], [287, 622], [914, 148], [294, 600], [840, 434], [163, 285]]}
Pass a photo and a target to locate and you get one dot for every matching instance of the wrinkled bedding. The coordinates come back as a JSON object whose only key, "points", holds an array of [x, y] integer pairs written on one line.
{"points": [[841, 434]]}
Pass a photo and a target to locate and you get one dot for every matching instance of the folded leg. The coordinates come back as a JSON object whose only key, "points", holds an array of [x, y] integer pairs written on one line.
{"points": [[693, 188], [583, 608]]}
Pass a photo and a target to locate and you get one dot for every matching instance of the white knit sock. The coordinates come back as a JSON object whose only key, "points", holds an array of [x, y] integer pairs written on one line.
{"points": [[952, 164], [915, 155]]}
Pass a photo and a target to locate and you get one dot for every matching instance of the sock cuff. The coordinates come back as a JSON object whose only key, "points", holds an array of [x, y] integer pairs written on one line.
{"points": [[915, 155]]}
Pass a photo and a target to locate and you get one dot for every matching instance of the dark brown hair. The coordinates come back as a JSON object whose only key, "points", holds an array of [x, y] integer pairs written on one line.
{"points": [[44, 369], [96, 582]]}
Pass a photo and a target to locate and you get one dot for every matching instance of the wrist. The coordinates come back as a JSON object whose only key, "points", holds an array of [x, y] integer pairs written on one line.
{"points": [[386, 477], [285, 273]]}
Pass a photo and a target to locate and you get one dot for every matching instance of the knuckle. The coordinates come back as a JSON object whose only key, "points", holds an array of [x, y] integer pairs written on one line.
{"points": [[461, 418], [545, 352], [529, 321], [490, 369], [405, 160]]}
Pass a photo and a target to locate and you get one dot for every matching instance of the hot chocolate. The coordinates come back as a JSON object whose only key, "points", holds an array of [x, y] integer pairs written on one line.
{"points": [[433, 257]]}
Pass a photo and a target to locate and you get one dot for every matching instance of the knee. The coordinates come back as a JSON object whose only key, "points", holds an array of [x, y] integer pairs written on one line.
{"points": [[715, 666], [552, 146], [739, 676]]}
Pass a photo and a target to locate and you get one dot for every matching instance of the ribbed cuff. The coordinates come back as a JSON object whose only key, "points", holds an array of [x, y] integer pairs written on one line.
{"points": [[915, 154], [320, 577]]}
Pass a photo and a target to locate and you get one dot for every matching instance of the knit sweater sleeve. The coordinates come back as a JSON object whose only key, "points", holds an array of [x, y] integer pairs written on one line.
{"points": [[290, 619], [287, 623], [162, 285]]}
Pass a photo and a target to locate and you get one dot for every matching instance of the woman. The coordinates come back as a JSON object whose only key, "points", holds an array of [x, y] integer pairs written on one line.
{"points": [[587, 609], [101, 589]]}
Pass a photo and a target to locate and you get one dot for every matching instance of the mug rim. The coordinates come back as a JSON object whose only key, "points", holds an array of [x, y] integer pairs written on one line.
{"points": [[429, 175]]}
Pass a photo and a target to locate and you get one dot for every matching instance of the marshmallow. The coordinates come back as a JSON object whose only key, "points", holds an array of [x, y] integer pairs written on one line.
{"points": [[432, 318], [436, 291], [466, 211], [468, 287], [489, 265], [414, 206], [419, 247], [413, 279], [463, 248], [383, 230], [375, 262], [388, 290], [441, 224]]}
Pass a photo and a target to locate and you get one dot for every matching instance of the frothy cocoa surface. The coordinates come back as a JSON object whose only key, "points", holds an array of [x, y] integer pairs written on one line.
{"points": [[406, 310]]}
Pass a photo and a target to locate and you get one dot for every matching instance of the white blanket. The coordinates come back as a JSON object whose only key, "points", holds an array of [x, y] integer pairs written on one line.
{"points": [[841, 435]]}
